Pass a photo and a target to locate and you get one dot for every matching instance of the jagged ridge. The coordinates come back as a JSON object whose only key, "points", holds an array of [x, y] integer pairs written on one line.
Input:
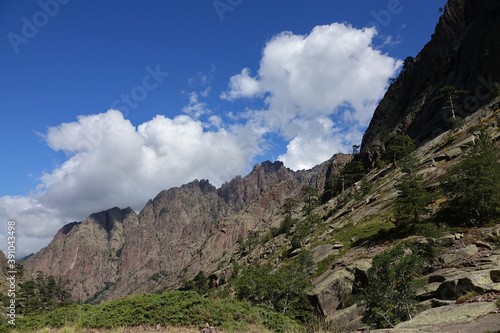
{"points": [[178, 233]]}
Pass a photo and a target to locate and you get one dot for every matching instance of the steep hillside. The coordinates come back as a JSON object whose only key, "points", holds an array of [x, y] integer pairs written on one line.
{"points": [[180, 232], [462, 53], [354, 227]]}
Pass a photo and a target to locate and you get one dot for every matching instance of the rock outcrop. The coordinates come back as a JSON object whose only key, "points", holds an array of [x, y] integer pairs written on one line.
{"points": [[462, 53]]}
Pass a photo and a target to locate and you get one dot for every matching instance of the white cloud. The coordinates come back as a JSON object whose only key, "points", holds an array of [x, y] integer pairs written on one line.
{"points": [[35, 225], [333, 72], [318, 92], [242, 85], [317, 141], [112, 163], [195, 108]]}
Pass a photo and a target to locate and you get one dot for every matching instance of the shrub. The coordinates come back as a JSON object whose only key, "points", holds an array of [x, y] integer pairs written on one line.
{"points": [[286, 225], [397, 147], [393, 278], [169, 309], [284, 290]]}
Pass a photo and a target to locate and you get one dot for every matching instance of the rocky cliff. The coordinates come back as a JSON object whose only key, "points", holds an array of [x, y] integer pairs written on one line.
{"points": [[180, 232], [462, 53]]}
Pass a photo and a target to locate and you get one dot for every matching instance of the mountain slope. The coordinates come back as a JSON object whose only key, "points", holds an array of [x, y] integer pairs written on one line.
{"points": [[462, 53]]}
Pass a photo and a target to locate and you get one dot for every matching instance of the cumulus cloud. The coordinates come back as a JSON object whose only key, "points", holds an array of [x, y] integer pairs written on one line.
{"points": [[318, 91], [112, 163], [35, 223], [333, 72], [242, 85]]}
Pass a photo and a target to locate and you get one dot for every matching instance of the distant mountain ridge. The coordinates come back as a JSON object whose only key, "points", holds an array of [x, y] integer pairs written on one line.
{"points": [[178, 233]]}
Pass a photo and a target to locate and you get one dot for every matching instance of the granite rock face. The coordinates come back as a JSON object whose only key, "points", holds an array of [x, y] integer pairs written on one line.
{"points": [[178, 233], [462, 53]]}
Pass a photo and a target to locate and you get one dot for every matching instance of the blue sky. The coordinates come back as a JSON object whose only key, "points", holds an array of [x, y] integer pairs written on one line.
{"points": [[201, 89]]}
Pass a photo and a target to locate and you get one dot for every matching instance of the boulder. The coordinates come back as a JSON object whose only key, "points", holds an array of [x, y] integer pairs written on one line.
{"points": [[483, 245], [320, 252], [440, 157], [495, 275], [348, 319], [461, 283], [332, 291], [452, 153], [452, 314], [338, 245], [467, 142], [460, 254]]}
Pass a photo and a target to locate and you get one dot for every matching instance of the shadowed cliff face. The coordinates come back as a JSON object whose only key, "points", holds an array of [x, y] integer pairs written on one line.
{"points": [[463, 52], [180, 232]]}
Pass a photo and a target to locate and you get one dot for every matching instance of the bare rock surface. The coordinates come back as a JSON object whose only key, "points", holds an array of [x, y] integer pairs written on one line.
{"points": [[473, 317]]}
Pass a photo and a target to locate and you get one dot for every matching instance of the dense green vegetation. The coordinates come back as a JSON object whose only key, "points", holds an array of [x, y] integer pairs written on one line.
{"points": [[283, 290], [390, 296], [473, 185], [42, 294], [173, 308], [397, 147], [351, 173]]}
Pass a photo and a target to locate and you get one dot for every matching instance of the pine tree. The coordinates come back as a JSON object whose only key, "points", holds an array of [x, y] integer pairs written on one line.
{"points": [[448, 94], [473, 185], [411, 203], [398, 147], [200, 283], [309, 198]]}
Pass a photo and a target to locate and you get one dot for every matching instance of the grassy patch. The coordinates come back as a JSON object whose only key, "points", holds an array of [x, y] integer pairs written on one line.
{"points": [[325, 264], [176, 309], [466, 297], [363, 232]]}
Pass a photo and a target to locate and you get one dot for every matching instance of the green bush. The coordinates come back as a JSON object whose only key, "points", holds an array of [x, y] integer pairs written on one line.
{"points": [[284, 290], [286, 225], [390, 296], [173, 309], [397, 147]]}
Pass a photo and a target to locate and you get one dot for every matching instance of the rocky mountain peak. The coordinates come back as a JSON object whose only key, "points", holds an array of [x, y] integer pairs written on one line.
{"points": [[268, 166], [107, 219], [67, 228]]}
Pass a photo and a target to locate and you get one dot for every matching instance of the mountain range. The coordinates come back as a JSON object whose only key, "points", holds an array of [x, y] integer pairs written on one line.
{"points": [[197, 227]]}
